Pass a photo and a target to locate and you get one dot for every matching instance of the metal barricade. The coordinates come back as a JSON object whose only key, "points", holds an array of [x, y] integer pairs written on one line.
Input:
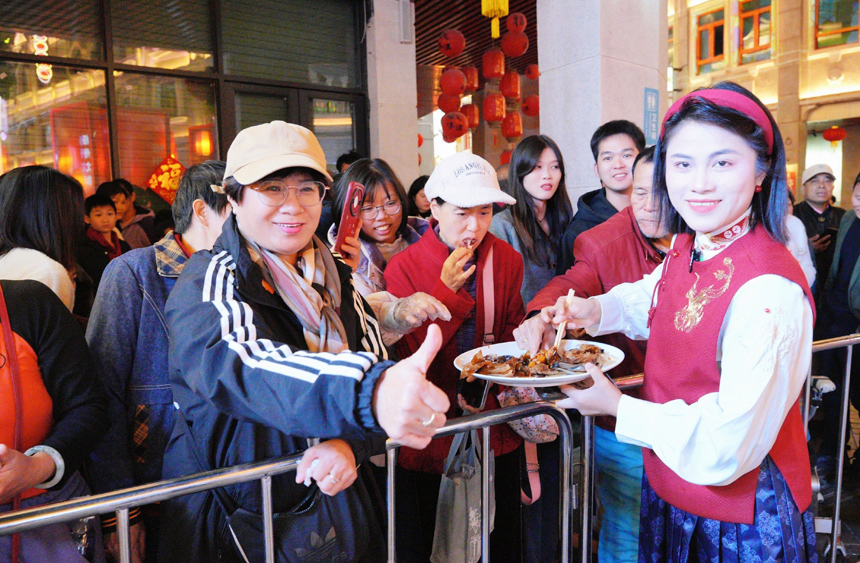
{"points": [[123, 500], [483, 421], [831, 344]]}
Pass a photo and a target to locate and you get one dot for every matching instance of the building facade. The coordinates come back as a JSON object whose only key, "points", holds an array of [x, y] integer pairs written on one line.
{"points": [[801, 57]]}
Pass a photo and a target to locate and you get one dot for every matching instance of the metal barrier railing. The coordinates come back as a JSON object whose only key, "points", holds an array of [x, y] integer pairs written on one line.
{"points": [[831, 344], [121, 501]]}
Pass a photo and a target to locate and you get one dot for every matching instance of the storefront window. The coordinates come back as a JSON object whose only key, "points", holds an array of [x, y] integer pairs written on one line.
{"points": [[709, 42], [54, 116], [755, 31], [333, 123], [295, 41], [254, 109], [172, 34], [159, 116], [836, 22], [57, 28]]}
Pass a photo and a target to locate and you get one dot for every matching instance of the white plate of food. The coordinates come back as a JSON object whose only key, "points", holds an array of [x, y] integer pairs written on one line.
{"points": [[504, 363]]}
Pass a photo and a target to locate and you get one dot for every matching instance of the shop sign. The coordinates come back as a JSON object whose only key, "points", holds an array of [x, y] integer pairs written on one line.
{"points": [[650, 122]]}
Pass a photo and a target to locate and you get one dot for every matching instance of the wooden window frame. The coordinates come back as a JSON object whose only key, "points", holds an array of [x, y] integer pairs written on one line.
{"points": [[819, 35], [756, 15], [710, 26]]}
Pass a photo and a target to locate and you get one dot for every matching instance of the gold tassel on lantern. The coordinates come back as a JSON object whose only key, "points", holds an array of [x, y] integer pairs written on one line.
{"points": [[494, 9]]}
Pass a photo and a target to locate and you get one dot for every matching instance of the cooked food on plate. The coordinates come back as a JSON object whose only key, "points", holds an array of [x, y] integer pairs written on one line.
{"points": [[545, 362]]}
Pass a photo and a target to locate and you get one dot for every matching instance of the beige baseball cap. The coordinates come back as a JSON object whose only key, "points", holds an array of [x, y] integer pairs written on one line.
{"points": [[815, 170], [466, 180], [262, 149]]}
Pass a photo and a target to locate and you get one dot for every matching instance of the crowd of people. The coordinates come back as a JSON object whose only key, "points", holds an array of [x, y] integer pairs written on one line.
{"points": [[242, 334]]}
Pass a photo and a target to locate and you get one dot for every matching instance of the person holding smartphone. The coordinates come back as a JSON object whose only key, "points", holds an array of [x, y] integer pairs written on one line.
{"points": [[820, 217], [385, 230]]}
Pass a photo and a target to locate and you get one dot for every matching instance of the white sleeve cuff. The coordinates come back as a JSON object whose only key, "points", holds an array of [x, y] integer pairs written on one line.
{"points": [[632, 422]]}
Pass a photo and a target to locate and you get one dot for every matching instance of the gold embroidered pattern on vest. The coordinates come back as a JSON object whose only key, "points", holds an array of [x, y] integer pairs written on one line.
{"points": [[687, 318]]}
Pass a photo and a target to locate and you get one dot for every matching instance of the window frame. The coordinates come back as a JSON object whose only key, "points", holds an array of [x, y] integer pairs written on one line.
{"points": [[756, 15], [712, 39], [818, 35]]}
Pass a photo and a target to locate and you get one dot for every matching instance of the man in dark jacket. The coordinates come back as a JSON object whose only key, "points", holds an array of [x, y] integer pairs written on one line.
{"points": [[820, 218], [614, 146]]}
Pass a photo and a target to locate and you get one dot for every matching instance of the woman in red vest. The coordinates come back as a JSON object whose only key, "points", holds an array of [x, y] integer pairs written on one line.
{"points": [[729, 320]]}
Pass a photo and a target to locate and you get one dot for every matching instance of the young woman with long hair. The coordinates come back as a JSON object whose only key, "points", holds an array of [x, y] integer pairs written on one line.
{"points": [[536, 181]]}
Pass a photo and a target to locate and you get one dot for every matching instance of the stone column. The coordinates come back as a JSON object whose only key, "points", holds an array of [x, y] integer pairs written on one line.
{"points": [[596, 59], [392, 90], [789, 41]]}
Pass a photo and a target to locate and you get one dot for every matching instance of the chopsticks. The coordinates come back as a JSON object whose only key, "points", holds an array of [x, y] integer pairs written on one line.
{"points": [[563, 326]]}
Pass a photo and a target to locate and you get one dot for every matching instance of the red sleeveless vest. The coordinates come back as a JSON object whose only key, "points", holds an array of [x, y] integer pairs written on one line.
{"points": [[681, 364]]}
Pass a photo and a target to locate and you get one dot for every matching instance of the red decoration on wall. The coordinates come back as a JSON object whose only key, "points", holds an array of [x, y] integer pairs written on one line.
{"points": [[420, 140], [471, 74], [516, 22], [493, 64], [505, 158], [515, 43], [165, 179], [451, 43], [531, 105], [510, 86], [532, 72], [448, 103], [473, 115], [512, 125], [494, 107], [452, 82]]}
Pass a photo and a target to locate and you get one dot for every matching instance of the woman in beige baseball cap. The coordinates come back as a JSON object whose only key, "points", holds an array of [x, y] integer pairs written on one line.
{"points": [[271, 345]]}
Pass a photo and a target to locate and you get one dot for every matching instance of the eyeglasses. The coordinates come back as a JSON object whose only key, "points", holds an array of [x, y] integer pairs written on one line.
{"points": [[826, 181], [391, 207], [274, 194]]}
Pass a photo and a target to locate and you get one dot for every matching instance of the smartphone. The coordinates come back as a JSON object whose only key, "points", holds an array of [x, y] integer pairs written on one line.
{"points": [[832, 231], [349, 217]]}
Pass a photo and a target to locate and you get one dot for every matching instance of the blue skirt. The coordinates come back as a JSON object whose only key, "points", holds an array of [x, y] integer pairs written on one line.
{"points": [[780, 534]]}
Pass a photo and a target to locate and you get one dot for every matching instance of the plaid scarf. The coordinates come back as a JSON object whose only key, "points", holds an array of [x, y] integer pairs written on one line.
{"points": [[311, 289]]}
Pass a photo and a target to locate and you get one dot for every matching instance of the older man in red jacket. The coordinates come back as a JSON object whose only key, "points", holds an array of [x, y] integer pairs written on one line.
{"points": [[623, 249]]}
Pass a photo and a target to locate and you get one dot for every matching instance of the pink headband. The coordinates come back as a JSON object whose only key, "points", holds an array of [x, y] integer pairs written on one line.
{"points": [[728, 99]]}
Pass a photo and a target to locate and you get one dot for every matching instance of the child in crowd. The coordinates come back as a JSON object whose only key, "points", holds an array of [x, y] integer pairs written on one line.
{"points": [[101, 243], [135, 223]]}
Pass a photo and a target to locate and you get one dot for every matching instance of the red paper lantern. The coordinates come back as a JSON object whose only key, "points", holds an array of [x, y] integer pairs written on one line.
{"points": [[493, 64], [471, 74], [515, 43], [473, 115], [454, 123], [531, 105], [419, 159], [512, 125], [420, 140], [448, 103], [452, 82], [451, 43], [834, 135], [505, 158], [449, 137], [510, 86], [516, 22], [494, 107], [532, 72]]}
